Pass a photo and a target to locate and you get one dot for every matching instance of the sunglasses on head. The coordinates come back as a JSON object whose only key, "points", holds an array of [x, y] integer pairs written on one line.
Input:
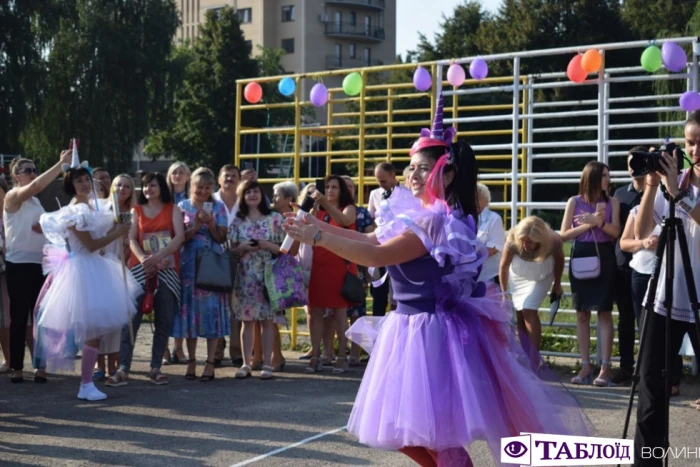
{"points": [[28, 170]]}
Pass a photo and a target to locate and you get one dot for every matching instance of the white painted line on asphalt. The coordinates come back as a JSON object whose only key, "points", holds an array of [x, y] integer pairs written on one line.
{"points": [[291, 446], [594, 392]]}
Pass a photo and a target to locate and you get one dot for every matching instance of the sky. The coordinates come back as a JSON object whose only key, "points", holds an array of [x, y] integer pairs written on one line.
{"points": [[425, 16]]}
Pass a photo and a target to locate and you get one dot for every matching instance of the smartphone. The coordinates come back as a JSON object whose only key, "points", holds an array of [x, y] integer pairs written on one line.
{"points": [[254, 242], [553, 309], [600, 207], [248, 166], [208, 207], [321, 186]]}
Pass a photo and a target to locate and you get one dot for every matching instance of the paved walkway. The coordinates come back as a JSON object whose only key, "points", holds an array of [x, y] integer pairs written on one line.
{"points": [[295, 419]]}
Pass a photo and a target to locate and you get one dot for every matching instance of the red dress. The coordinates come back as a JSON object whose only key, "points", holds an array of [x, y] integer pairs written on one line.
{"points": [[328, 273]]}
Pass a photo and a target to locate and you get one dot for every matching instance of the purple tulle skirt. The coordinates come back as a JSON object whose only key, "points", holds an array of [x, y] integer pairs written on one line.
{"points": [[441, 379]]}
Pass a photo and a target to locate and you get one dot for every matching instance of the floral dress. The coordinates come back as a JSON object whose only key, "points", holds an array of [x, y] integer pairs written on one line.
{"points": [[249, 298], [203, 313]]}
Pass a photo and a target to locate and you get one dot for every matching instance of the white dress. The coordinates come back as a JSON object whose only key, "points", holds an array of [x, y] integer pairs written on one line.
{"points": [[530, 282], [88, 298]]}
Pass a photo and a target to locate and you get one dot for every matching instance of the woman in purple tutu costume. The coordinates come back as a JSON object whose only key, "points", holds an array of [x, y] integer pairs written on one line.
{"points": [[446, 369]]}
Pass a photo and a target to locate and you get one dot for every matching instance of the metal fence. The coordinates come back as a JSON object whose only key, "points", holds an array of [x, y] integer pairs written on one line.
{"points": [[608, 114]]}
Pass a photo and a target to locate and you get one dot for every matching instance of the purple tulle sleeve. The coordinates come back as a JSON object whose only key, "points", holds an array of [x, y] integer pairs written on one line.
{"points": [[449, 237]]}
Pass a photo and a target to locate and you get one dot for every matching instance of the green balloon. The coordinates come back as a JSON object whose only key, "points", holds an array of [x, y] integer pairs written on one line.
{"points": [[651, 58], [352, 84]]}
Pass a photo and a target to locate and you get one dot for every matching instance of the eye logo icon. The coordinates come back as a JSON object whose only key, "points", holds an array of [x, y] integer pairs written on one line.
{"points": [[515, 449]]}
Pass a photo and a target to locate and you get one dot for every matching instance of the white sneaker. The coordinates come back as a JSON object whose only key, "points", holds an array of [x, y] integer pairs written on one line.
{"points": [[90, 392]]}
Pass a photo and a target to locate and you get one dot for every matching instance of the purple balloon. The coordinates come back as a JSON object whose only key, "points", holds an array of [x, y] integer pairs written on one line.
{"points": [[690, 101], [319, 95], [479, 69], [422, 79], [673, 56]]}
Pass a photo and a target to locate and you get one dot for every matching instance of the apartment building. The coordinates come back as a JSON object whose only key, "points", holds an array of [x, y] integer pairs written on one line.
{"points": [[317, 35]]}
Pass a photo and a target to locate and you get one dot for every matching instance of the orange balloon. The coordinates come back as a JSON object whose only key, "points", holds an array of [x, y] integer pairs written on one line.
{"points": [[591, 61], [253, 93], [574, 71]]}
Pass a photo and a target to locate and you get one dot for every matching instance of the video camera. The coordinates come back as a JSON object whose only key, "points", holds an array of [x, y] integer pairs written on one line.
{"points": [[643, 163]]}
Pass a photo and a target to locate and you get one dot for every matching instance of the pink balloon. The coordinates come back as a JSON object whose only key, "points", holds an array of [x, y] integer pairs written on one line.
{"points": [[456, 75], [479, 69], [673, 56], [422, 79], [319, 95], [690, 101], [574, 71]]}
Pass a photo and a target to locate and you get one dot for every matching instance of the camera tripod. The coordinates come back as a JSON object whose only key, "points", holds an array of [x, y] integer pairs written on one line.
{"points": [[671, 230]]}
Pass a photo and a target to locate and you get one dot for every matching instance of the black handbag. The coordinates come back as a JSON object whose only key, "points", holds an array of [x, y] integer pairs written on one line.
{"points": [[214, 271], [353, 288]]}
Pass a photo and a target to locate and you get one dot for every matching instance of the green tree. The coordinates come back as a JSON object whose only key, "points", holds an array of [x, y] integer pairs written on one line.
{"points": [[203, 133], [650, 19], [21, 67], [458, 34], [104, 62]]}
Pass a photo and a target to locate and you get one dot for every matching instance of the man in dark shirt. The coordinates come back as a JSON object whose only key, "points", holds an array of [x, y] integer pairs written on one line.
{"points": [[629, 196]]}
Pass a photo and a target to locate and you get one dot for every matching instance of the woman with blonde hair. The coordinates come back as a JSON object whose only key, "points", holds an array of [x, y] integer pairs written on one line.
{"points": [[124, 187], [203, 313], [532, 262], [178, 180], [592, 219]]}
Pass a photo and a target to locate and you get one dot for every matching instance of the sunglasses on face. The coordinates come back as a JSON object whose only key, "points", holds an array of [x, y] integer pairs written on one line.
{"points": [[28, 170]]}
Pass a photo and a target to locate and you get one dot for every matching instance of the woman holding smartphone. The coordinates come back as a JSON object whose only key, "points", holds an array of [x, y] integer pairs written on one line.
{"points": [[204, 313], [257, 234], [592, 220]]}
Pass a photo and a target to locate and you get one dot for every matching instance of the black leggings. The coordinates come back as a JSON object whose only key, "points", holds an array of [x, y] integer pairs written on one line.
{"points": [[24, 282]]}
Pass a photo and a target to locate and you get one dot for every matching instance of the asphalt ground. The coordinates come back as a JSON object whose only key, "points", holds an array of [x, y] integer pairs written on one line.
{"points": [[293, 420]]}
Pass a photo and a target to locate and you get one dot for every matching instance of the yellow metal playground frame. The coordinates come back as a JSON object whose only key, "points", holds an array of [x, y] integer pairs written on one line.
{"points": [[335, 132]]}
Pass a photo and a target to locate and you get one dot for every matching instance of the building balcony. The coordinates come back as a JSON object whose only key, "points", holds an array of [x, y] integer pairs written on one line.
{"points": [[335, 63], [355, 31], [377, 5]]}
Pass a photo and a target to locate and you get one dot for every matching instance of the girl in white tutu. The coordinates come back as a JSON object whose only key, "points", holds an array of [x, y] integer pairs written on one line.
{"points": [[88, 298]]}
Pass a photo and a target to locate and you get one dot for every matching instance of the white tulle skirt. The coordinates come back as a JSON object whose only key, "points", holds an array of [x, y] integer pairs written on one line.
{"points": [[89, 297]]}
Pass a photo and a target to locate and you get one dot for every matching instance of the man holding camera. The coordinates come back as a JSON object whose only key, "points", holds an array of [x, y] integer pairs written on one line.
{"points": [[684, 189]]}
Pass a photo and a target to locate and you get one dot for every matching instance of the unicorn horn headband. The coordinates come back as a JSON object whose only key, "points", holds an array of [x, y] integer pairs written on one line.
{"points": [[75, 162], [438, 136]]}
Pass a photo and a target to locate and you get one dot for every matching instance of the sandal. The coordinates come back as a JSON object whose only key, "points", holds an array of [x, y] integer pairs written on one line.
{"points": [[40, 376], [266, 372], [99, 375], [177, 357], [166, 357], [340, 368], [158, 378], [190, 375], [279, 368], [354, 361], [578, 379], [120, 378], [206, 378], [603, 382], [243, 372], [315, 366], [257, 366]]}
